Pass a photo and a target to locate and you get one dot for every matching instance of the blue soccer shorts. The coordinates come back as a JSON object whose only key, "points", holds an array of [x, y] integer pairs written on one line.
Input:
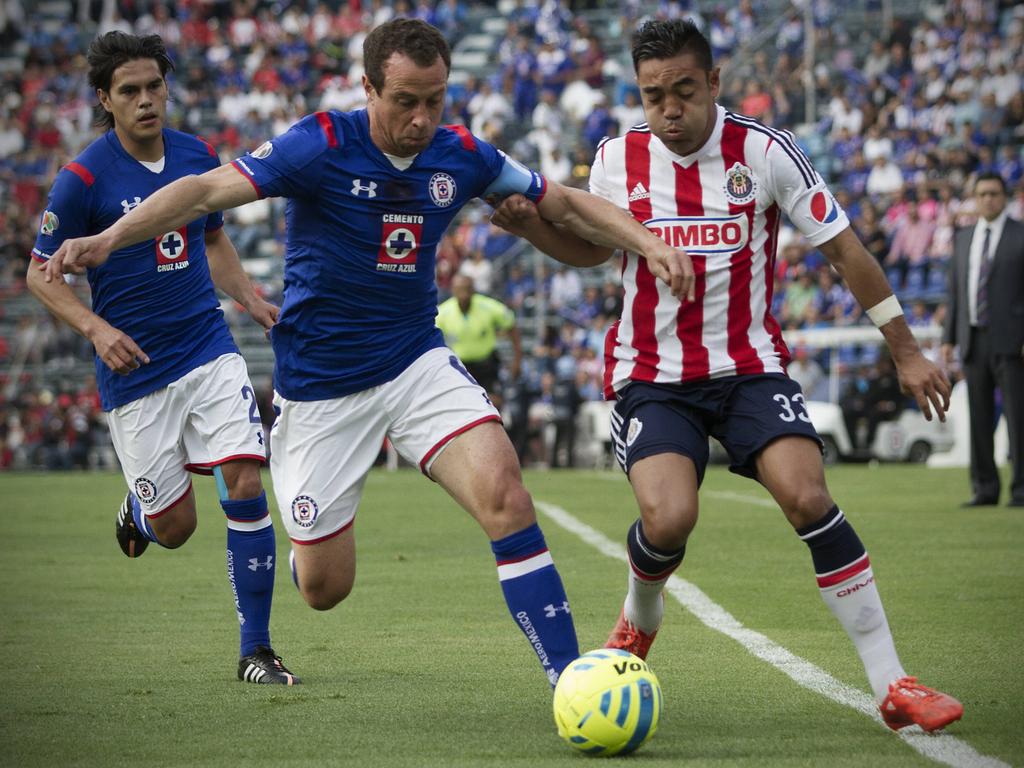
{"points": [[744, 413]]}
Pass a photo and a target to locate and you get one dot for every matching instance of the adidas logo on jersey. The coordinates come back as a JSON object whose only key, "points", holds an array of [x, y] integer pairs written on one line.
{"points": [[639, 193]]}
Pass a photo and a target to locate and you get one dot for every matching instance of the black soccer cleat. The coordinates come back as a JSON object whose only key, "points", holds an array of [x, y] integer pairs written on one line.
{"points": [[263, 666], [132, 542]]}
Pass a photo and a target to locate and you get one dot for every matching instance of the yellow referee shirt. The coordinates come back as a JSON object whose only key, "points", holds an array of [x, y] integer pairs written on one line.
{"points": [[473, 336]]}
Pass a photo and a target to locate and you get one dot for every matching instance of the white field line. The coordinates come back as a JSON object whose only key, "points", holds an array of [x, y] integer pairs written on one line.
{"points": [[940, 747]]}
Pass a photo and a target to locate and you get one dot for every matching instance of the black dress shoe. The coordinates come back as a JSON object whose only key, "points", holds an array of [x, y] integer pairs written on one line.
{"points": [[981, 501]]}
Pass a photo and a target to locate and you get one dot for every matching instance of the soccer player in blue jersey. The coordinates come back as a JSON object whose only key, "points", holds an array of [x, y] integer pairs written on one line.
{"points": [[170, 377], [358, 356]]}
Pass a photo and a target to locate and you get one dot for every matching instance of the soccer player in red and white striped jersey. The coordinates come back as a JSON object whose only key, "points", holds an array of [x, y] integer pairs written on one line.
{"points": [[712, 361]]}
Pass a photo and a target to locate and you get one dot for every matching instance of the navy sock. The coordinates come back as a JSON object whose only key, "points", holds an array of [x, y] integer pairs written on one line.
{"points": [[536, 598], [835, 547], [649, 562], [251, 554]]}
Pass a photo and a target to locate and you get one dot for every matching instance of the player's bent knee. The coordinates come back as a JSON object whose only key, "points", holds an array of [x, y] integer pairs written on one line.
{"points": [[806, 506], [243, 479], [324, 596], [174, 531]]}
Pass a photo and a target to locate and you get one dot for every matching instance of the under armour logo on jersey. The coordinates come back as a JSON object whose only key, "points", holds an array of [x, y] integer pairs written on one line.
{"points": [[370, 189], [551, 610], [639, 193], [255, 564], [128, 206]]}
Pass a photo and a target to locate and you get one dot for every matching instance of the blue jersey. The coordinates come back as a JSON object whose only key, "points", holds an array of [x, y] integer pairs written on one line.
{"points": [[359, 290], [159, 291]]}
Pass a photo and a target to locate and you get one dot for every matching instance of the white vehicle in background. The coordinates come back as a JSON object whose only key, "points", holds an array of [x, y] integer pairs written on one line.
{"points": [[910, 437]]}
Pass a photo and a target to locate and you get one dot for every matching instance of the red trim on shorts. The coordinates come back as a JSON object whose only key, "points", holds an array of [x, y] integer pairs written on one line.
{"points": [[169, 507], [441, 443], [250, 179], [307, 542], [328, 128], [859, 565], [81, 172], [207, 469]]}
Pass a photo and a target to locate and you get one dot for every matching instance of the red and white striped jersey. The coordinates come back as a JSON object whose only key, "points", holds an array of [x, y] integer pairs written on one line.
{"points": [[722, 206]]}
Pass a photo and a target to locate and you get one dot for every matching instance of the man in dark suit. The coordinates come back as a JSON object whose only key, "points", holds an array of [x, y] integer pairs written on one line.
{"points": [[986, 321]]}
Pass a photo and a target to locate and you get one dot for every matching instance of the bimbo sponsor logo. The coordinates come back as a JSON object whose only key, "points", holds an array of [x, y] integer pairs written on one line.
{"points": [[702, 234]]}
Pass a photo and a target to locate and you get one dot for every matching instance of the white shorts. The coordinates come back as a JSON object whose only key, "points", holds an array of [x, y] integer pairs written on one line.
{"points": [[207, 417], [322, 450]]}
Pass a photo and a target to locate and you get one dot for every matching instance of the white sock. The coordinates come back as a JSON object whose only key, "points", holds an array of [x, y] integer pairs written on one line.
{"points": [[858, 606], [645, 605]]}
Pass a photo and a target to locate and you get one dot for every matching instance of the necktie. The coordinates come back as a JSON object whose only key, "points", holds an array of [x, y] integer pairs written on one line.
{"points": [[983, 271]]}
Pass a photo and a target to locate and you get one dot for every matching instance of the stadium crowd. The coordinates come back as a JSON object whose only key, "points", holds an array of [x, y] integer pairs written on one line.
{"points": [[900, 127]]}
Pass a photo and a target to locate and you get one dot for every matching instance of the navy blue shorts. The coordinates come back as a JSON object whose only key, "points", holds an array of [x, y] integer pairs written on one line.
{"points": [[744, 413]]}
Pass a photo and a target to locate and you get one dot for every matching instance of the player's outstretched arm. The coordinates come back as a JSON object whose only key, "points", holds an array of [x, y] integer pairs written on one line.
{"points": [[172, 207], [919, 377], [115, 348], [599, 221], [519, 216], [228, 275]]}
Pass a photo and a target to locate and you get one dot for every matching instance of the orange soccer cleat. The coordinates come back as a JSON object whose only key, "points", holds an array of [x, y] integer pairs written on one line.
{"points": [[627, 637], [910, 703]]}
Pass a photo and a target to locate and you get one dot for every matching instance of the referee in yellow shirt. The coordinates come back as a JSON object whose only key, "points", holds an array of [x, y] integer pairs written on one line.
{"points": [[471, 324]]}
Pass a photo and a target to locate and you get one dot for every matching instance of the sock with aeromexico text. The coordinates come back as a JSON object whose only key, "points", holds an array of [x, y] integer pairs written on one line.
{"points": [[142, 524], [649, 569], [251, 553], [536, 598], [847, 585]]}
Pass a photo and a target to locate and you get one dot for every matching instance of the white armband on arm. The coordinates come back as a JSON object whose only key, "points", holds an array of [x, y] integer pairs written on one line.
{"points": [[887, 309]]}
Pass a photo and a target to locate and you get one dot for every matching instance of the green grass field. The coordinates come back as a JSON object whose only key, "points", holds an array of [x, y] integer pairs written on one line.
{"points": [[115, 662]]}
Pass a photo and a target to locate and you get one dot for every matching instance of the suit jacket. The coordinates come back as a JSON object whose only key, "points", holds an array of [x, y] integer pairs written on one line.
{"points": [[1005, 292]]}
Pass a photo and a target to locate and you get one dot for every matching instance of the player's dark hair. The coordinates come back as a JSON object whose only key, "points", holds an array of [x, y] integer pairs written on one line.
{"points": [[412, 37], [666, 39], [108, 52], [992, 176]]}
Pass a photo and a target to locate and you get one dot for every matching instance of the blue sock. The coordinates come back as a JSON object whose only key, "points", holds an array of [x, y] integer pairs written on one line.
{"points": [[141, 521], [251, 554], [536, 598]]}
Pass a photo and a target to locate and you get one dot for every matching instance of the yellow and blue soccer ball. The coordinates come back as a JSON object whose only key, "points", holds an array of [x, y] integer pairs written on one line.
{"points": [[607, 702]]}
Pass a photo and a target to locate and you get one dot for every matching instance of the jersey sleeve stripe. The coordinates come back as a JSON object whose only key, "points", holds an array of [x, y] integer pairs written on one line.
{"points": [[468, 142], [328, 128], [81, 172], [209, 146], [250, 179], [34, 255], [798, 157], [782, 136]]}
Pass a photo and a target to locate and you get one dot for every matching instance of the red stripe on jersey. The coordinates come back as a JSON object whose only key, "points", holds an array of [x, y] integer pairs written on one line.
{"points": [[468, 142], [328, 128], [859, 565], [611, 338], [739, 347], [81, 172], [771, 325], [209, 146], [690, 317], [644, 341]]}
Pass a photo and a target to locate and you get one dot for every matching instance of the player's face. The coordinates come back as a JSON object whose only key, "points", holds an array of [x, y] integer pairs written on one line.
{"points": [[679, 101], [989, 198], [405, 114], [137, 100]]}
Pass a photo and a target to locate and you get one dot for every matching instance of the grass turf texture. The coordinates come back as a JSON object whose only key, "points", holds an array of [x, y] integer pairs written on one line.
{"points": [[116, 662]]}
